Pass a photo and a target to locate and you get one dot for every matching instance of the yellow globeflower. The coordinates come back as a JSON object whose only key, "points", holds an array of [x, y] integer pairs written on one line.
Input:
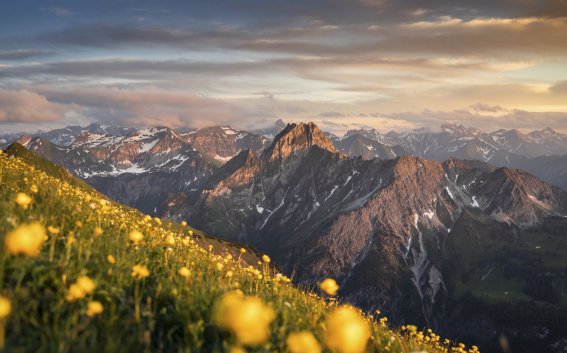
{"points": [[87, 285], [53, 230], [75, 293], [266, 258], [329, 286], [184, 272], [23, 200], [136, 236], [82, 287], [111, 259], [25, 239], [94, 308], [34, 189], [303, 342], [98, 231], [183, 223], [248, 318], [140, 271], [5, 307], [347, 331], [236, 349]]}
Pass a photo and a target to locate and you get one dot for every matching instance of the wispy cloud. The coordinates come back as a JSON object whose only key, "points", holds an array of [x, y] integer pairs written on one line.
{"points": [[58, 11], [19, 54]]}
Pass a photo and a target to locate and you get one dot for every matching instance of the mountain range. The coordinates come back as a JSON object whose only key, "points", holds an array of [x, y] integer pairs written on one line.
{"points": [[425, 226]]}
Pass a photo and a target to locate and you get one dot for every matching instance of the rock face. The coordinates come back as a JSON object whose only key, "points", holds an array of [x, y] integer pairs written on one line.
{"points": [[223, 142], [384, 228], [358, 145], [297, 137]]}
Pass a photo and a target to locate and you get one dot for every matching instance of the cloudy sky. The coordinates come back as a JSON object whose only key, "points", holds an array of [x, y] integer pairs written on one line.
{"points": [[387, 64]]}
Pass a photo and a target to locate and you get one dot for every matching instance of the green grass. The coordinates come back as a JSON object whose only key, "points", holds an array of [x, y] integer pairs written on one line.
{"points": [[498, 266], [164, 312]]}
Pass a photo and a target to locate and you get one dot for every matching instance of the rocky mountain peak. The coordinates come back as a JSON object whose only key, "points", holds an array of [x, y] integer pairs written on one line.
{"points": [[297, 137], [280, 124], [24, 140], [459, 130]]}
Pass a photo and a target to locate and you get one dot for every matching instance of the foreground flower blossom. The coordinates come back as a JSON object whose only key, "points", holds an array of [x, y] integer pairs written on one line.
{"points": [[347, 331], [303, 342], [136, 236], [140, 272], [80, 289], [26, 239], [94, 308], [111, 259], [329, 286], [266, 259], [23, 200], [184, 272], [248, 318], [5, 307]]}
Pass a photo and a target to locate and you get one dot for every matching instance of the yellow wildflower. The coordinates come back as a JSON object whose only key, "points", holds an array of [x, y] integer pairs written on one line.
{"points": [[184, 272], [329, 286], [236, 349], [86, 284], [53, 230], [98, 231], [266, 258], [140, 271], [34, 189], [81, 288], [74, 293], [71, 239], [136, 236], [347, 331], [242, 250], [111, 259], [23, 200], [183, 224], [248, 318], [25, 239], [5, 307], [303, 342], [94, 308]]}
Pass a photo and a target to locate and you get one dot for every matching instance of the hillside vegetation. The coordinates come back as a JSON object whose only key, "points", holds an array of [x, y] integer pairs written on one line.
{"points": [[79, 273]]}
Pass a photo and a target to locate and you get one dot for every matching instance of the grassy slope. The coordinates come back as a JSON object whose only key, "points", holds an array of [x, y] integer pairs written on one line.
{"points": [[175, 312]]}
